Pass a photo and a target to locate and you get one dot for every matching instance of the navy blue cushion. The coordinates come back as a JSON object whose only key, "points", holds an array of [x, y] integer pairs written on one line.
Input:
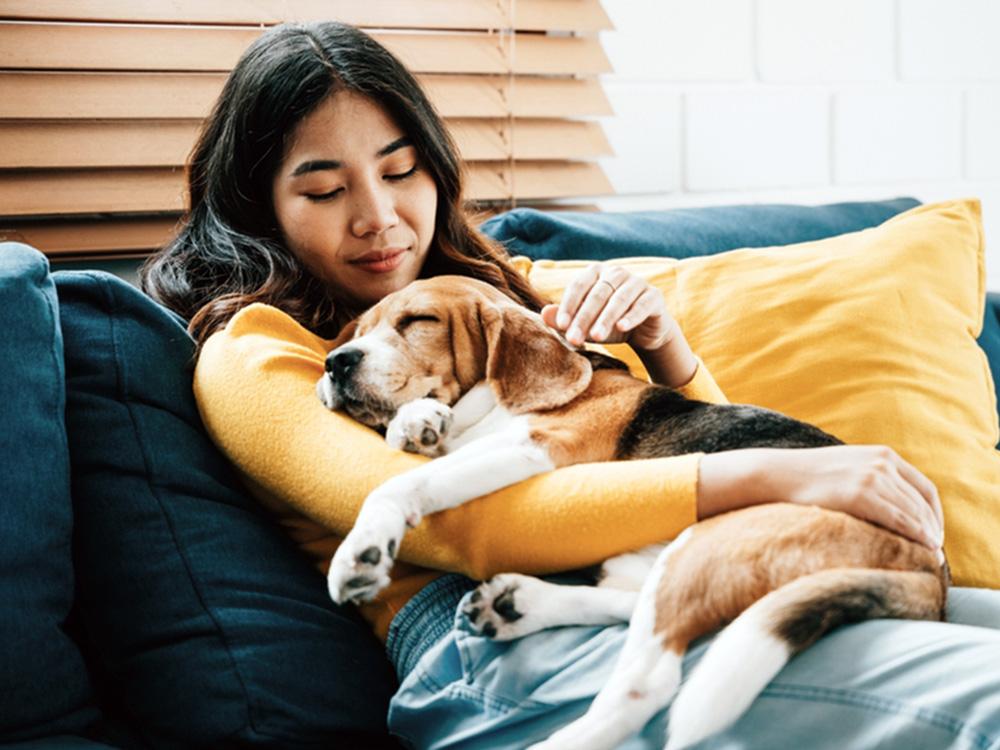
{"points": [[61, 742], [44, 685], [681, 232], [208, 623]]}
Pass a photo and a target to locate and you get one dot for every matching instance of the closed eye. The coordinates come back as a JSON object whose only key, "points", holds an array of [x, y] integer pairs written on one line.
{"points": [[408, 320]]}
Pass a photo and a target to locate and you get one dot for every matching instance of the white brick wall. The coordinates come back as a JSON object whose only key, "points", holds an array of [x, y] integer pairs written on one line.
{"points": [[805, 101]]}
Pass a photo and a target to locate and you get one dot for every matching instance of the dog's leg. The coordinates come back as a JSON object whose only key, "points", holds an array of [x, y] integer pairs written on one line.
{"points": [[645, 678], [630, 570], [360, 567], [511, 605]]}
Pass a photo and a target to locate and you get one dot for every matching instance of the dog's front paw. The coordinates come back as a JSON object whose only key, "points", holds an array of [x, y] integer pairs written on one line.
{"points": [[360, 567], [501, 608], [420, 427]]}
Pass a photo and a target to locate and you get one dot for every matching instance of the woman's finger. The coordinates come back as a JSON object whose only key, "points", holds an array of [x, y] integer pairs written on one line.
{"points": [[917, 505], [923, 485], [890, 516], [646, 304], [589, 310], [575, 293], [623, 300], [610, 278]]}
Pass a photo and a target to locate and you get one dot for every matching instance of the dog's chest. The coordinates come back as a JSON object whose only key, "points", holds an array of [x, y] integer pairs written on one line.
{"points": [[478, 415]]}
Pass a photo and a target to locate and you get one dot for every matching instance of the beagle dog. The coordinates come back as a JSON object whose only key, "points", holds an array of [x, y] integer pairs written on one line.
{"points": [[452, 368]]}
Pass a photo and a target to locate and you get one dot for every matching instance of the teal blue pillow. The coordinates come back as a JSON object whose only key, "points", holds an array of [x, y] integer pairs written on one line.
{"points": [[207, 624], [44, 685], [680, 232]]}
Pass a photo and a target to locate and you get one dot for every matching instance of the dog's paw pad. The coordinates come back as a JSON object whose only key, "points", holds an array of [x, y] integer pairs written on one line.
{"points": [[360, 568], [494, 610], [420, 427]]}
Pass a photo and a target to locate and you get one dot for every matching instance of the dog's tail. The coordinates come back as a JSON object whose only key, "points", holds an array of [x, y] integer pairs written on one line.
{"points": [[753, 649]]}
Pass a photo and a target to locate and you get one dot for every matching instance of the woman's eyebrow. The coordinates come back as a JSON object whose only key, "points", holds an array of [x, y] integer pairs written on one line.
{"points": [[317, 165], [395, 146]]}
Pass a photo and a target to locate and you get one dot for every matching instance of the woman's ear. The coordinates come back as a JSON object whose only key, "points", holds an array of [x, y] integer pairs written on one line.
{"points": [[528, 366]]}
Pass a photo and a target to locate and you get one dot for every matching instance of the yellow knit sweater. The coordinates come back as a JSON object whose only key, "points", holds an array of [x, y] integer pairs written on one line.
{"points": [[255, 386]]}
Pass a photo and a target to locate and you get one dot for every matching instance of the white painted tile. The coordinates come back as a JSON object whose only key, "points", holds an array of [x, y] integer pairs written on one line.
{"points": [[888, 134], [941, 41], [757, 138], [680, 40], [645, 136], [982, 133], [848, 40]]}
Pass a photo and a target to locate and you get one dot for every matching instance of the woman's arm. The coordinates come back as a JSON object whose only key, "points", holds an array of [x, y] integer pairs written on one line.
{"points": [[868, 481], [255, 385]]}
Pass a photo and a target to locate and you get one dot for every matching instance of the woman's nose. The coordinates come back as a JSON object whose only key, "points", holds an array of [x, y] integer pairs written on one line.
{"points": [[374, 210]]}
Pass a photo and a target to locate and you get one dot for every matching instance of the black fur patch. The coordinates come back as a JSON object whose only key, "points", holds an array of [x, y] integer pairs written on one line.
{"points": [[666, 423], [808, 621]]}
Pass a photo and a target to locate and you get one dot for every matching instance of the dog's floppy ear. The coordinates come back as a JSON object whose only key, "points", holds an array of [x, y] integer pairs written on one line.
{"points": [[345, 335], [528, 366]]}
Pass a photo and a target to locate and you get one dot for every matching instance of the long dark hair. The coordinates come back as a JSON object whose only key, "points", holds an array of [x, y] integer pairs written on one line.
{"points": [[229, 251]]}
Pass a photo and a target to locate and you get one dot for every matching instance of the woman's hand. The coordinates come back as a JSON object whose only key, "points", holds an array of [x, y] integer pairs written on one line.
{"points": [[608, 304], [871, 482]]}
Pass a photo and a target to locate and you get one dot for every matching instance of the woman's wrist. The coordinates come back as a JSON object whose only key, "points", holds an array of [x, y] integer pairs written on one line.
{"points": [[672, 364], [737, 479]]}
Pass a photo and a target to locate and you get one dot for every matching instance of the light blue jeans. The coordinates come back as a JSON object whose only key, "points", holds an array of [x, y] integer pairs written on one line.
{"points": [[880, 684]]}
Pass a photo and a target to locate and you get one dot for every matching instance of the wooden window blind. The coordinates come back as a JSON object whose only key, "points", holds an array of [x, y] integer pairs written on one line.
{"points": [[101, 102]]}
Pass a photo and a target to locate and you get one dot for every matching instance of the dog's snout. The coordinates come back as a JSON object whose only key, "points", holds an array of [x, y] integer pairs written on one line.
{"points": [[341, 362]]}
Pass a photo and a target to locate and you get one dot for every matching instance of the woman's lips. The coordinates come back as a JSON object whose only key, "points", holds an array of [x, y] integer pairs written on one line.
{"points": [[380, 262]]}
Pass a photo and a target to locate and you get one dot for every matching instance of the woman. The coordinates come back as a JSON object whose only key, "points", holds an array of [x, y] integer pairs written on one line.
{"points": [[323, 181]]}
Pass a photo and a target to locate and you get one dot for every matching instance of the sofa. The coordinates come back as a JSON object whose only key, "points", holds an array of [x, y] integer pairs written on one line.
{"points": [[149, 601]]}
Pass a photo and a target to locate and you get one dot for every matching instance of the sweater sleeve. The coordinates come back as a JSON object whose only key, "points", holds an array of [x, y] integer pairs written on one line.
{"points": [[255, 386]]}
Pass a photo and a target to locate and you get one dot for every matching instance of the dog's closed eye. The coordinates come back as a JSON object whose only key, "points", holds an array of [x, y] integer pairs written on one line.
{"points": [[408, 320]]}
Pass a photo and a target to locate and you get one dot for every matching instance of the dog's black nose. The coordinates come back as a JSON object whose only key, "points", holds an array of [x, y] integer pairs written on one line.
{"points": [[341, 363]]}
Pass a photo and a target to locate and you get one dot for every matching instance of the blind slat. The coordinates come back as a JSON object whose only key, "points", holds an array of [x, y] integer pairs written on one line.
{"points": [[530, 15], [493, 140], [38, 46], [536, 180], [83, 191], [117, 235], [51, 95], [524, 96], [116, 143], [60, 95], [140, 143]]}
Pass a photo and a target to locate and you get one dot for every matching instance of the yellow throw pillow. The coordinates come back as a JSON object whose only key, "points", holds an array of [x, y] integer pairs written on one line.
{"points": [[870, 335]]}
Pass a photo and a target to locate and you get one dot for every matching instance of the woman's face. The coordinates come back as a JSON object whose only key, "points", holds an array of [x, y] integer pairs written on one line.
{"points": [[353, 202]]}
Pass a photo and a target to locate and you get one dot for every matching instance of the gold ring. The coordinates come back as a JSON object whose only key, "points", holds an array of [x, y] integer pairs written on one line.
{"points": [[605, 281]]}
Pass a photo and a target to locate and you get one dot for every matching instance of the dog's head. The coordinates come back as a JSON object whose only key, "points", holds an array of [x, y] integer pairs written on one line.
{"points": [[437, 338]]}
